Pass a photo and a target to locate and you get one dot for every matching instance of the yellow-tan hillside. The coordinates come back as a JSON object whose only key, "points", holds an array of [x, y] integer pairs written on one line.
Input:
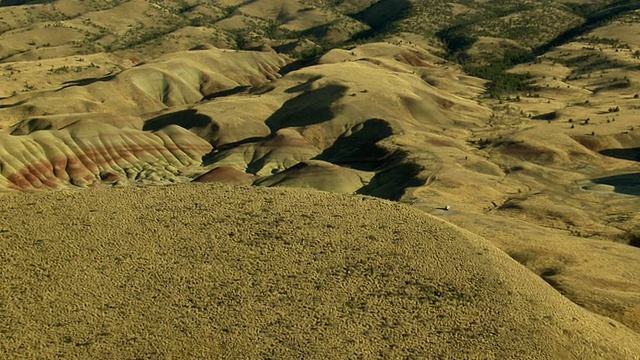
{"points": [[211, 271]]}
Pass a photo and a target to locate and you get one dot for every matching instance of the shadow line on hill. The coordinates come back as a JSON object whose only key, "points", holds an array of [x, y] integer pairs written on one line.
{"points": [[623, 184], [308, 108], [17, 103], [359, 149], [381, 16], [84, 82], [233, 91], [186, 118], [392, 182], [632, 154]]}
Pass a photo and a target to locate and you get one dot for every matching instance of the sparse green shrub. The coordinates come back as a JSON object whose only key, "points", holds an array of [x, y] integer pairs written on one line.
{"points": [[229, 11], [312, 52], [239, 36], [61, 70], [501, 82]]}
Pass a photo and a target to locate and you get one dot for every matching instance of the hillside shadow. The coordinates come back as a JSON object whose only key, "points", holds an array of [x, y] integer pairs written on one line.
{"points": [[86, 81], [305, 86], [381, 16], [28, 126], [186, 118], [221, 151], [456, 40], [233, 91], [546, 116], [318, 32], [23, 2], [296, 65], [310, 107], [392, 182], [623, 184], [632, 154], [359, 150], [17, 103]]}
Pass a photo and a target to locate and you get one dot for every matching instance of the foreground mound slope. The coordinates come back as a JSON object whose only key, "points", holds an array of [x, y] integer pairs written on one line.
{"points": [[206, 270]]}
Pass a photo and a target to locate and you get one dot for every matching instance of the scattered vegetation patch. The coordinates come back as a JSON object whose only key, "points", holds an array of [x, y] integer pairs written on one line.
{"points": [[505, 20], [595, 15], [313, 52], [502, 82]]}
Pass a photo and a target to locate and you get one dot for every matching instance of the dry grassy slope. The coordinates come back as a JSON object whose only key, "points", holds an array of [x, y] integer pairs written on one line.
{"points": [[45, 45], [588, 110], [598, 275], [87, 153], [529, 24], [563, 185], [256, 272], [74, 27], [178, 79]]}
